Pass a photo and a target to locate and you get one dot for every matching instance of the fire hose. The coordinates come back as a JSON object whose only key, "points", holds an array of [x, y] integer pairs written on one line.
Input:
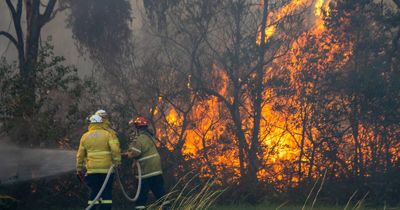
{"points": [[139, 184], [94, 201]]}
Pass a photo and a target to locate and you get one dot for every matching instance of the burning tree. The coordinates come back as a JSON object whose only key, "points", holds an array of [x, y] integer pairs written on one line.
{"points": [[261, 95], [229, 76], [274, 111]]}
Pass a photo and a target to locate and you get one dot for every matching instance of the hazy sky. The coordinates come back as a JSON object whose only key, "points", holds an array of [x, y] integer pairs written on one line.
{"points": [[61, 36]]}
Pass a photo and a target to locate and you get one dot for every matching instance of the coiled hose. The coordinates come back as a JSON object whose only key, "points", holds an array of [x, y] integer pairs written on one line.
{"points": [[94, 201]]}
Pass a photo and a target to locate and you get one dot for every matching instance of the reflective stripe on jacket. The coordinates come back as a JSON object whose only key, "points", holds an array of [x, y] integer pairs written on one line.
{"points": [[98, 149], [143, 149]]}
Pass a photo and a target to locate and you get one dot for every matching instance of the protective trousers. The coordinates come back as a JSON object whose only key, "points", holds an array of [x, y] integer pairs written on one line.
{"points": [[155, 184], [95, 181]]}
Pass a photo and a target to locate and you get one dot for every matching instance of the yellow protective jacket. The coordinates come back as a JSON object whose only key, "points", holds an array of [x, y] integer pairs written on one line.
{"points": [[98, 149], [107, 127], [143, 149]]}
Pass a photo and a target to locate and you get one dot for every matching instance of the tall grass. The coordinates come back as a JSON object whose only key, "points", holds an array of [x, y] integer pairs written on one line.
{"points": [[357, 206], [196, 197], [189, 197], [186, 195]]}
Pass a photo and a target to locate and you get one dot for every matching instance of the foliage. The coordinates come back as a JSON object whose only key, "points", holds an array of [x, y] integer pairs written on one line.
{"points": [[101, 28], [58, 96]]}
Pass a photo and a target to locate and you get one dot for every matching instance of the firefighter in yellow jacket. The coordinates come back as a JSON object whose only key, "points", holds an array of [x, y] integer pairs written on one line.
{"points": [[144, 150], [98, 150]]}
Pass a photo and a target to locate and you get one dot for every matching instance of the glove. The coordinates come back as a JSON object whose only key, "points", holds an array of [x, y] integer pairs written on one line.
{"points": [[117, 166], [117, 163], [80, 175]]}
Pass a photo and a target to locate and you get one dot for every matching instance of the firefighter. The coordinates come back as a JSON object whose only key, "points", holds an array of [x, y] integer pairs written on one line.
{"points": [[144, 150], [98, 150]]}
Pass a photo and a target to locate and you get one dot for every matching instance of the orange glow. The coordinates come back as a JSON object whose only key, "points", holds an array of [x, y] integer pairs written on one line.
{"points": [[211, 141], [320, 6], [275, 17]]}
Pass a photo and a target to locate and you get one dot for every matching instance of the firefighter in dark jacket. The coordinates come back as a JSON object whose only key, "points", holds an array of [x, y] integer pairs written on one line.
{"points": [[144, 150], [98, 150]]}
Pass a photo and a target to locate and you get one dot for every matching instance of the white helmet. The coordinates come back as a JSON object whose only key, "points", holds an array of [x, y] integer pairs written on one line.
{"points": [[101, 113], [95, 119]]}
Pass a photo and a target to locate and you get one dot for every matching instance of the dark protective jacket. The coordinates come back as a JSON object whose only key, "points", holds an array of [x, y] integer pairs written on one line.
{"points": [[99, 149], [143, 149]]}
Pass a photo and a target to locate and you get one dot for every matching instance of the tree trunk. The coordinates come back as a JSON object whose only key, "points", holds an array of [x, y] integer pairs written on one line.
{"points": [[240, 137], [303, 137], [28, 71], [357, 146], [254, 152], [28, 51], [312, 158]]}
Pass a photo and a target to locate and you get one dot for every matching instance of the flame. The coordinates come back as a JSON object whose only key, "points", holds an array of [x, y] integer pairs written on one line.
{"points": [[286, 149], [173, 118], [210, 127], [211, 141], [320, 6], [275, 17]]}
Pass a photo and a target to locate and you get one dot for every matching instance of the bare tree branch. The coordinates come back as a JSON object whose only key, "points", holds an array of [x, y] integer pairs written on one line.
{"points": [[56, 11], [11, 8], [16, 14], [10, 37], [216, 94], [46, 17]]}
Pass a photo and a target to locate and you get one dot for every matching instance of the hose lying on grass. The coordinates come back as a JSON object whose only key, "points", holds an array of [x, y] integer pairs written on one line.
{"points": [[110, 171]]}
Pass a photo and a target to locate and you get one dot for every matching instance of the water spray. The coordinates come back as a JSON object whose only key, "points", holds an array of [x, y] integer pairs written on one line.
{"points": [[23, 164]]}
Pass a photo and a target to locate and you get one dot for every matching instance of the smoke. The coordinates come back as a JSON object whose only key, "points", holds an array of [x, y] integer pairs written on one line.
{"points": [[20, 164], [61, 38]]}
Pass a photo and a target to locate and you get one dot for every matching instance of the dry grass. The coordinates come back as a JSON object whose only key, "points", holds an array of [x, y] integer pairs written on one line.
{"points": [[189, 197], [204, 197]]}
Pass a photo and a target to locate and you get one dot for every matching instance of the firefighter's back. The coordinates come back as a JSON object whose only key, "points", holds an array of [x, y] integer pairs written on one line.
{"points": [[99, 157]]}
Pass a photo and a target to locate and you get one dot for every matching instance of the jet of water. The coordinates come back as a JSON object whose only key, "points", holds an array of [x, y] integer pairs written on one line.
{"points": [[20, 164]]}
